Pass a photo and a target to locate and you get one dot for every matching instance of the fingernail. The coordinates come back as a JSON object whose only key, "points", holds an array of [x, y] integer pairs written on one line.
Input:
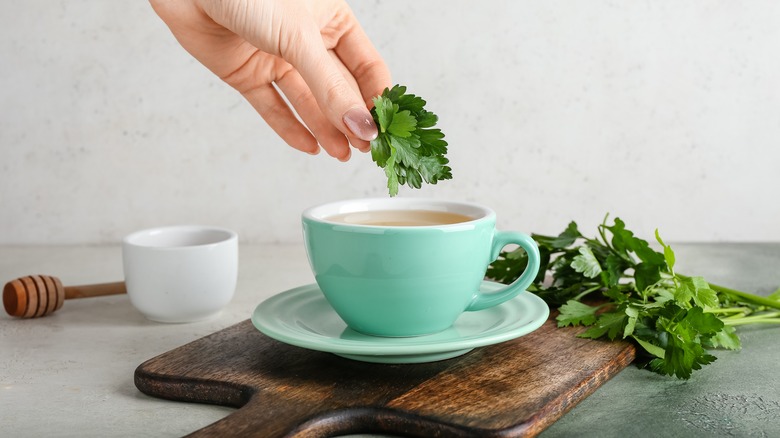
{"points": [[360, 122]]}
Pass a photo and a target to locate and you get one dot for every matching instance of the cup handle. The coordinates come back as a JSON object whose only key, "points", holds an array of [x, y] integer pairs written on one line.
{"points": [[500, 240]]}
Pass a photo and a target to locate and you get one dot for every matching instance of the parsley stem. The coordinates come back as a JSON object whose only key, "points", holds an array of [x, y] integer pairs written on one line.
{"points": [[586, 291], [744, 296], [766, 318], [723, 310], [602, 233], [750, 298]]}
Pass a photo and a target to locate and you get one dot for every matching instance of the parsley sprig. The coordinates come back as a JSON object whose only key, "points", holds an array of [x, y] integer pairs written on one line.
{"points": [[620, 288], [408, 147]]}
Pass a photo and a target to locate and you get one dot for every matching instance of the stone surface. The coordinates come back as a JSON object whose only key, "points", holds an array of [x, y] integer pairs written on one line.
{"points": [[71, 373]]}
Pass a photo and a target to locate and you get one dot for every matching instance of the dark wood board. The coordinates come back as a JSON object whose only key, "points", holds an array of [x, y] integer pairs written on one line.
{"points": [[513, 389]]}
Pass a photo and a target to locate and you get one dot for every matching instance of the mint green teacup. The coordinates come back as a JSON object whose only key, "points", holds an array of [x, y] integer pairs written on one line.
{"points": [[407, 267]]}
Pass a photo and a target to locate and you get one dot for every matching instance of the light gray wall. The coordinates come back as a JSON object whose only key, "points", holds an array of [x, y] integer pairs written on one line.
{"points": [[665, 113]]}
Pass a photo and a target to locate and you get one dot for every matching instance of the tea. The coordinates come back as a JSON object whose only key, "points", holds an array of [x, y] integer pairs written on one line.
{"points": [[400, 218]]}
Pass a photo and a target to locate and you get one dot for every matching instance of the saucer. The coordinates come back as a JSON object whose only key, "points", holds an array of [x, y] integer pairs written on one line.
{"points": [[304, 318]]}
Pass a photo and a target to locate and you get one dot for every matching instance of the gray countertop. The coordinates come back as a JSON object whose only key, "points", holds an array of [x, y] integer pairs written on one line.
{"points": [[71, 373]]}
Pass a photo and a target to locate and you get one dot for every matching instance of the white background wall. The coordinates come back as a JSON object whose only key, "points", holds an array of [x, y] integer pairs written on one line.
{"points": [[665, 113]]}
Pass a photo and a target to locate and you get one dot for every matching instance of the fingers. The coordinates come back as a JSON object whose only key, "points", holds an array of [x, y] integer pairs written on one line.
{"points": [[274, 110], [331, 94], [301, 98], [258, 70], [303, 47], [338, 101], [293, 34], [363, 61]]}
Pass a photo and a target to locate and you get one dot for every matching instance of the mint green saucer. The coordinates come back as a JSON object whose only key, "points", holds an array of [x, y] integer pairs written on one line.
{"points": [[302, 317]]}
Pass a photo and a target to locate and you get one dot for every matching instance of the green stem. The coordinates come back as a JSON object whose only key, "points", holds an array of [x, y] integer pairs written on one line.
{"points": [[586, 291], [750, 298], [767, 318], [744, 296], [602, 233], [728, 310]]}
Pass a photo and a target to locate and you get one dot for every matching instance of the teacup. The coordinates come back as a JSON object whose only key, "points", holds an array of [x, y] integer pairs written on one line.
{"points": [[180, 273], [408, 267]]}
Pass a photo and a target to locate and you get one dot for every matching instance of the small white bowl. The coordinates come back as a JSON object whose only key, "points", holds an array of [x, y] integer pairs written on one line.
{"points": [[182, 273]]}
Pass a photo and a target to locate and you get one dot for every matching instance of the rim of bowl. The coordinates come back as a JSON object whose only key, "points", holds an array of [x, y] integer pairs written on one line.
{"points": [[144, 238]]}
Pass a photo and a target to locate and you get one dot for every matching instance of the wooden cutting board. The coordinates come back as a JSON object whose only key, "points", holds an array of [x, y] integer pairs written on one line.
{"points": [[516, 388]]}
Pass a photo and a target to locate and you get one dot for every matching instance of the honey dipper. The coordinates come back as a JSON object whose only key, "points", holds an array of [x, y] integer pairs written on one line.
{"points": [[40, 295]]}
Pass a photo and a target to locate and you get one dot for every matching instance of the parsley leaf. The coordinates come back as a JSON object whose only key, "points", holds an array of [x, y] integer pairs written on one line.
{"points": [[576, 313], [586, 263], [408, 147], [610, 324], [673, 319]]}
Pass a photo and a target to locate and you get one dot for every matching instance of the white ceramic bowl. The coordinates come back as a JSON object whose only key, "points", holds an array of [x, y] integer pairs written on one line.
{"points": [[182, 273]]}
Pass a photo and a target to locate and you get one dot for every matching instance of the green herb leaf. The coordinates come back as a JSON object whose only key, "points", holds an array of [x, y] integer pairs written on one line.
{"points": [[576, 313], [698, 289], [646, 275], [624, 242], [651, 348], [726, 338], [563, 240], [615, 268], [392, 174], [684, 331], [608, 324], [668, 253], [403, 124], [633, 314], [674, 319], [408, 147], [586, 263]]}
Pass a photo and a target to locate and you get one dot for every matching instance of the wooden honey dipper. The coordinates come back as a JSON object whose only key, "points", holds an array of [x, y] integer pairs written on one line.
{"points": [[40, 295]]}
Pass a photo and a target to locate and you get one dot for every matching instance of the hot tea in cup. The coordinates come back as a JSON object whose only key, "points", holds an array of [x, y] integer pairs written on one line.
{"points": [[407, 267]]}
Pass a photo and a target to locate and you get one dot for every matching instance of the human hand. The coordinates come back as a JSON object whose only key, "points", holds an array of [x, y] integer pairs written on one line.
{"points": [[314, 51]]}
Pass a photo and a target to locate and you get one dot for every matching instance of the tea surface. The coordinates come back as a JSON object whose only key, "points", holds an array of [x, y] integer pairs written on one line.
{"points": [[400, 218]]}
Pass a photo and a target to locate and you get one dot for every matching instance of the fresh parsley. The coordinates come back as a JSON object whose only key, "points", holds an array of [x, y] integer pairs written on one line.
{"points": [[618, 287], [408, 146]]}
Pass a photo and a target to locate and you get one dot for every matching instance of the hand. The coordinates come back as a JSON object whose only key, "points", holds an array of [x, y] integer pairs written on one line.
{"points": [[314, 51]]}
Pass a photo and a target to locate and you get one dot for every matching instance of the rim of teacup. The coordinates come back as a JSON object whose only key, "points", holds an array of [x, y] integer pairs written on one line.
{"points": [[179, 237], [321, 213]]}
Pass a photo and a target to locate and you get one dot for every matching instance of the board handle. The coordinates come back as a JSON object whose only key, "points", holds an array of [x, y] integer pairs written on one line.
{"points": [[284, 419], [257, 419]]}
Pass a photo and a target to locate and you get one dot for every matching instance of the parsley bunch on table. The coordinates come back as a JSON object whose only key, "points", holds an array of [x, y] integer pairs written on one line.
{"points": [[408, 146], [620, 288]]}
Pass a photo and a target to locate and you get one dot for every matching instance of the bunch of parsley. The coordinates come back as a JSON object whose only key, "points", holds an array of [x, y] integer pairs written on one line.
{"points": [[408, 147], [620, 288]]}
